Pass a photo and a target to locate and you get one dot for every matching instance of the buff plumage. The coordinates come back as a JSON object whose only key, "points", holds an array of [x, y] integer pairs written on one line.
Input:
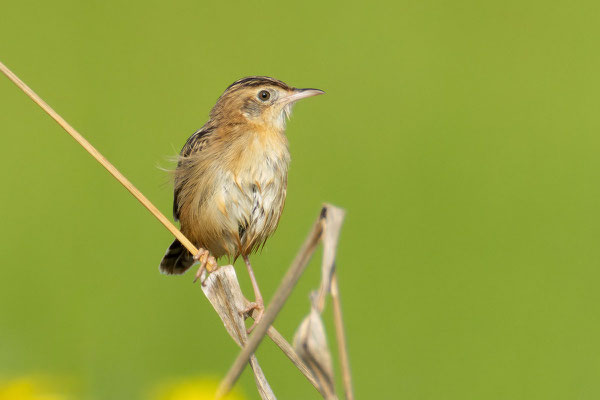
{"points": [[231, 178]]}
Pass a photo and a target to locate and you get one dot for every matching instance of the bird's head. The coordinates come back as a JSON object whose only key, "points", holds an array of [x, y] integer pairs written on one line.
{"points": [[260, 100]]}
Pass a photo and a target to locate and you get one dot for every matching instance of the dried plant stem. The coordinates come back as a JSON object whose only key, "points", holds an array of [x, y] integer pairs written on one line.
{"points": [[264, 390], [341, 338], [223, 291], [100, 158], [310, 341], [283, 291], [288, 350]]}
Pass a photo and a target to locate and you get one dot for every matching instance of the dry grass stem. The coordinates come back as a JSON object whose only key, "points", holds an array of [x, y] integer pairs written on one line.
{"points": [[331, 234], [341, 338], [100, 158], [223, 291], [289, 351], [333, 226], [283, 291], [310, 340]]}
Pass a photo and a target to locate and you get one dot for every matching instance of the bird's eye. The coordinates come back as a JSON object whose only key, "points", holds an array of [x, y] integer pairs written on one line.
{"points": [[264, 95]]}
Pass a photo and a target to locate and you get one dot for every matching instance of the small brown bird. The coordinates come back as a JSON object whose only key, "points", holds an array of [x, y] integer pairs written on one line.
{"points": [[231, 177]]}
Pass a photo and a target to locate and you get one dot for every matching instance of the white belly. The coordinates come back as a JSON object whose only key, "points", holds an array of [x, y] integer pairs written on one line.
{"points": [[249, 205]]}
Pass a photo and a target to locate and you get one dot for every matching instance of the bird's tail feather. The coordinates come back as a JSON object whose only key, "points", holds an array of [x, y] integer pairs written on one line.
{"points": [[176, 260]]}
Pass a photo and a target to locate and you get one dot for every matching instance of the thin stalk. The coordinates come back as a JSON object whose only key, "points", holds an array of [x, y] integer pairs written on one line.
{"points": [[341, 338], [288, 350], [100, 158]]}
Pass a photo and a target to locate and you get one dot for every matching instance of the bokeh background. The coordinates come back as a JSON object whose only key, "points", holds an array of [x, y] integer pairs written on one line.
{"points": [[461, 137]]}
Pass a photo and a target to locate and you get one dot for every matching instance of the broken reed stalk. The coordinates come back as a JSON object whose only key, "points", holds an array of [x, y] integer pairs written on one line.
{"points": [[223, 291], [283, 291], [341, 338], [310, 339], [100, 158], [289, 351], [310, 343], [278, 339]]}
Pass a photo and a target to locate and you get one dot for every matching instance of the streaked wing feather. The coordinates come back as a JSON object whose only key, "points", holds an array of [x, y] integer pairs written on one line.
{"points": [[194, 144]]}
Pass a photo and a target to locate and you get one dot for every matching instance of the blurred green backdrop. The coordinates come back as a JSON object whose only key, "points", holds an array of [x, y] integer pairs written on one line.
{"points": [[462, 138]]}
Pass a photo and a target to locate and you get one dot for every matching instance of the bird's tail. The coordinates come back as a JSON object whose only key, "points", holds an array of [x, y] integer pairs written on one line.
{"points": [[177, 259]]}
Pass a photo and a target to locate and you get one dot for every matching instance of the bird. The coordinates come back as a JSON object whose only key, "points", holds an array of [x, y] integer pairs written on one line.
{"points": [[231, 178]]}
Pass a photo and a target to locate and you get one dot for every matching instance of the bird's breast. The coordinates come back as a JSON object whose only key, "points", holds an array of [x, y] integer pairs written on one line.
{"points": [[253, 191]]}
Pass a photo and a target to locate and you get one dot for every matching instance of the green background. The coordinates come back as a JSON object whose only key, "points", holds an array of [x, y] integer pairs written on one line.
{"points": [[461, 137]]}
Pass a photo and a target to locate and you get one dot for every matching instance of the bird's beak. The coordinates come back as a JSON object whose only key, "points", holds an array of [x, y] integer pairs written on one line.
{"points": [[298, 94]]}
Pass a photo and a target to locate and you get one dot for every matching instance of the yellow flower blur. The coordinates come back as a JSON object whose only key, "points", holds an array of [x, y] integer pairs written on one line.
{"points": [[192, 389], [28, 388], [43, 388]]}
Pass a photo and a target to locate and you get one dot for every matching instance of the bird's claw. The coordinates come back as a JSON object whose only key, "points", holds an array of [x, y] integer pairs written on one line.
{"points": [[207, 263], [257, 316]]}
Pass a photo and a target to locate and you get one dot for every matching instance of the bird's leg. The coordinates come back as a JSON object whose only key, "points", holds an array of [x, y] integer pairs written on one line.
{"points": [[204, 257], [258, 303]]}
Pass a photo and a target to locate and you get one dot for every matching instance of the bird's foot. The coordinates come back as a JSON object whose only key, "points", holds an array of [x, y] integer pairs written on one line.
{"points": [[256, 310], [207, 263]]}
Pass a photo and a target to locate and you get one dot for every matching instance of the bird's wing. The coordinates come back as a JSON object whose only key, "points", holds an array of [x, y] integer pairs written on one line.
{"points": [[194, 144]]}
